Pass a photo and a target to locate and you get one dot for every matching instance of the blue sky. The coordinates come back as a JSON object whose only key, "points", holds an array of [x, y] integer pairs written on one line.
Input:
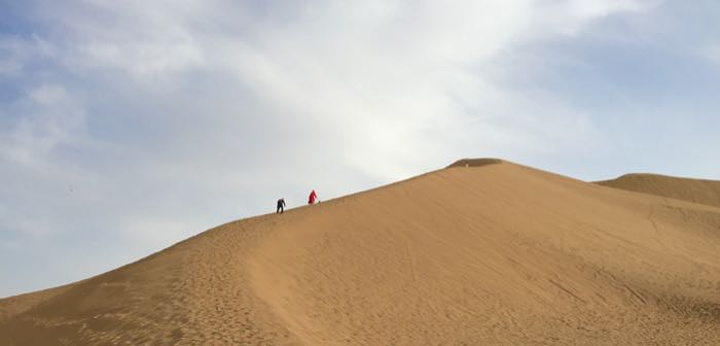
{"points": [[128, 126]]}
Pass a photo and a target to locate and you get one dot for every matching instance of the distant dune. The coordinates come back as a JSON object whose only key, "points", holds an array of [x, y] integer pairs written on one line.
{"points": [[691, 190], [484, 252]]}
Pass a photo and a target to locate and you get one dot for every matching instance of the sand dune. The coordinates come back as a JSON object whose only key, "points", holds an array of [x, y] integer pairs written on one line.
{"points": [[484, 252], [692, 190]]}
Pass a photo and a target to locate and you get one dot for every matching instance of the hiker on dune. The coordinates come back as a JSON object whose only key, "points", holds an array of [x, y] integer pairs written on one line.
{"points": [[280, 206], [312, 198]]}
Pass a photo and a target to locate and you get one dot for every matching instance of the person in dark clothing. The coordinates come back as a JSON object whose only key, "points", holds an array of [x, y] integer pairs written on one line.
{"points": [[280, 206]]}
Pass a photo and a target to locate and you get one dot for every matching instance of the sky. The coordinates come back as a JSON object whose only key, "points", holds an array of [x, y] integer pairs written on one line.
{"points": [[126, 126]]}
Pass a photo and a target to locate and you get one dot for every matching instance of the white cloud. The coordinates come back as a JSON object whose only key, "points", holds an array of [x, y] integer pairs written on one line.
{"points": [[16, 52], [48, 95], [12, 54], [712, 52], [47, 117]]}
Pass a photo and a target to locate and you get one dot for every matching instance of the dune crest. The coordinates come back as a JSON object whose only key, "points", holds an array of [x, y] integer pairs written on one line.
{"points": [[691, 190], [501, 254], [475, 162]]}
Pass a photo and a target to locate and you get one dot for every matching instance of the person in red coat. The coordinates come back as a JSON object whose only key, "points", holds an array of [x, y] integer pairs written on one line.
{"points": [[313, 197]]}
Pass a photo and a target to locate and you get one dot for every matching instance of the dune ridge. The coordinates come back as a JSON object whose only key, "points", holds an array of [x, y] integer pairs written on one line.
{"points": [[692, 190], [484, 252]]}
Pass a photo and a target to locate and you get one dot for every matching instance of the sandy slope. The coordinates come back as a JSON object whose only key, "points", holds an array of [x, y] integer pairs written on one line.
{"points": [[488, 254], [691, 190]]}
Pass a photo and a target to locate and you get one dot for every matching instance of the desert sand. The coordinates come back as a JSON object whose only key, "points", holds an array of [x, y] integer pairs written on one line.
{"points": [[691, 190], [484, 252]]}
